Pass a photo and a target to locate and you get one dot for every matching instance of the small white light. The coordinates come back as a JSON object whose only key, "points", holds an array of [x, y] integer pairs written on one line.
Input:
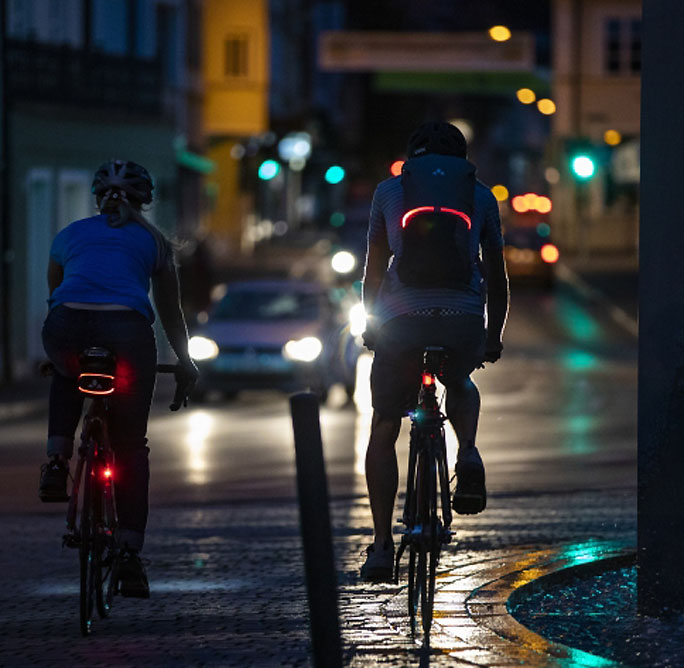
{"points": [[357, 319], [201, 348], [303, 350], [343, 262]]}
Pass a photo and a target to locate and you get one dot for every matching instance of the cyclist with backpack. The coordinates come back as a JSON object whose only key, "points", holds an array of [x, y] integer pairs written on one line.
{"points": [[434, 267], [99, 275]]}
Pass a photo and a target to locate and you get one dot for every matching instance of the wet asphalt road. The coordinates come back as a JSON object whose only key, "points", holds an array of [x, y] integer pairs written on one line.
{"points": [[558, 422]]}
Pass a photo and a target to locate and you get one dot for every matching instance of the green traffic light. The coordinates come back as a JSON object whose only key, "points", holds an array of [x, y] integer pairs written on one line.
{"points": [[268, 170], [334, 174], [583, 166]]}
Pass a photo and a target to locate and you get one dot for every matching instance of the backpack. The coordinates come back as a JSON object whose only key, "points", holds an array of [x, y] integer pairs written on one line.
{"points": [[438, 206]]}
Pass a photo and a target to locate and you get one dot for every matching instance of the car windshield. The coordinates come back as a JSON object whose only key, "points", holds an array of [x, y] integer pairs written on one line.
{"points": [[267, 305]]}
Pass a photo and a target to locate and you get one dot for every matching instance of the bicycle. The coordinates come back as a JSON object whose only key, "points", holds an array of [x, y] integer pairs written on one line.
{"points": [[427, 484], [92, 523]]}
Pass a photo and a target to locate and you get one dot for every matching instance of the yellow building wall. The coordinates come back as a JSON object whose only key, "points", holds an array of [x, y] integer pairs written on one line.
{"points": [[236, 67]]}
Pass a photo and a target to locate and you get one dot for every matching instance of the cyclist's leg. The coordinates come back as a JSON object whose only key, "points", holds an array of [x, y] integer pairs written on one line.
{"points": [[382, 475], [63, 338], [129, 335], [463, 411]]}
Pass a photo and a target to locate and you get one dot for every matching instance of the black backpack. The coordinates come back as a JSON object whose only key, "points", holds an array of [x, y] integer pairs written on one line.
{"points": [[438, 207]]}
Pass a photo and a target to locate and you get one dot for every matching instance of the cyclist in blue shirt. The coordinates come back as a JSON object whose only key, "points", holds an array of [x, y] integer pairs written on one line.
{"points": [[403, 319], [99, 276]]}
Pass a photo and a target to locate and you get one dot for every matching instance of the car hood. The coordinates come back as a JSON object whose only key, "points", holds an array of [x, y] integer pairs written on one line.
{"points": [[251, 333]]}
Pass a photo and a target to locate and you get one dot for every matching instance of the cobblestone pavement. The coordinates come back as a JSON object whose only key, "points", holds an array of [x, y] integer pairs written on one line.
{"points": [[228, 586]]}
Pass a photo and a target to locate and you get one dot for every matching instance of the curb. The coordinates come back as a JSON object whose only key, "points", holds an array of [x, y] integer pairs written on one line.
{"points": [[472, 622]]}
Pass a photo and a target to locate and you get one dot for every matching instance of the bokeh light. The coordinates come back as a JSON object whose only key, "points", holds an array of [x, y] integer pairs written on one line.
{"points": [[526, 95], [395, 167], [500, 192], [499, 33], [546, 106], [612, 137]]}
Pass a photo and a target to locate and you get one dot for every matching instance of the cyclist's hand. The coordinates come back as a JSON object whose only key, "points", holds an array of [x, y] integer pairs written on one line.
{"points": [[46, 368], [186, 377], [492, 351], [370, 337]]}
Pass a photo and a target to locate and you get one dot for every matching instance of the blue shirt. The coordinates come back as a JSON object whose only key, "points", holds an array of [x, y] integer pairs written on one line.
{"points": [[104, 264], [395, 298]]}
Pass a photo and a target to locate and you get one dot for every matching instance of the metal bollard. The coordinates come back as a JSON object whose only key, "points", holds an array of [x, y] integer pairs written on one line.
{"points": [[314, 515]]}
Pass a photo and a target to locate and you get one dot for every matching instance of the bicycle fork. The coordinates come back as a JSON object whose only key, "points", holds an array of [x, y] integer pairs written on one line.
{"points": [[414, 532]]}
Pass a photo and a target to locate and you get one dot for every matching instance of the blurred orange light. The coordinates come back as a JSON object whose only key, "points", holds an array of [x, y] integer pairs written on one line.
{"points": [[396, 166], [531, 200], [520, 204], [543, 204], [500, 192], [526, 95], [500, 33], [549, 253]]}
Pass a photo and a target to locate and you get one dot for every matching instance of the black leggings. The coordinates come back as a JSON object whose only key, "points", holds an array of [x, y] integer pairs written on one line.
{"points": [[130, 337]]}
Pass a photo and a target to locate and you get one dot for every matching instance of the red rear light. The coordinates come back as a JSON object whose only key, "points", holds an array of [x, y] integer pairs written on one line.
{"points": [[549, 253], [108, 474], [428, 379]]}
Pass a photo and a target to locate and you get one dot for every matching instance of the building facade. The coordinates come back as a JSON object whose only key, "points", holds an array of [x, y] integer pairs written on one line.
{"points": [[596, 85], [86, 81]]}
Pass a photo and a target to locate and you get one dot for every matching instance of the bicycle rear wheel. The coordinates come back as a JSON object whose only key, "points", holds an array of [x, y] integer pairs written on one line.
{"points": [[431, 548], [87, 545]]}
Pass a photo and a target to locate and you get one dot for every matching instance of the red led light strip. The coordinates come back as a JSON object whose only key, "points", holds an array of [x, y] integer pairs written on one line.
{"points": [[425, 209], [96, 375]]}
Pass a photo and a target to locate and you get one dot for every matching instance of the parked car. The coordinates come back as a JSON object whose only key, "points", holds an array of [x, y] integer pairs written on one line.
{"points": [[274, 334], [530, 255]]}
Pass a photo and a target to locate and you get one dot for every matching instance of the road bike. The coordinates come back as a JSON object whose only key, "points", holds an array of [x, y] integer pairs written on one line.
{"points": [[91, 514], [427, 509]]}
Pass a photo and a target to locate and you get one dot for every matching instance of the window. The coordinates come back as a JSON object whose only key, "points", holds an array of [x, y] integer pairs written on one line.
{"points": [[622, 46], [236, 52]]}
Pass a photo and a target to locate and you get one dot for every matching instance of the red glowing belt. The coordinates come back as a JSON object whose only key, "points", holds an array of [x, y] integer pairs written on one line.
{"points": [[433, 209]]}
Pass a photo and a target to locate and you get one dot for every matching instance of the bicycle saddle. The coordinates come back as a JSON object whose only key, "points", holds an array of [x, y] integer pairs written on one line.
{"points": [[433, 359]]}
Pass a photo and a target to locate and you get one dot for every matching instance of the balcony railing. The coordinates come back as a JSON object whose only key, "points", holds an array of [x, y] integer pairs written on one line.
{"points": [[61, 75]]}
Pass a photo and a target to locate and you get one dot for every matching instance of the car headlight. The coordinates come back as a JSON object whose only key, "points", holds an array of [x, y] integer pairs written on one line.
{"points": [[303, 350], [202, 348]]}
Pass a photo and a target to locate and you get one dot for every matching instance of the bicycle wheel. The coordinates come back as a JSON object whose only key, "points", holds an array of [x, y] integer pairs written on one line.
{"points": [[417, 571], [105, 548], [431, 546], [87, 546]]}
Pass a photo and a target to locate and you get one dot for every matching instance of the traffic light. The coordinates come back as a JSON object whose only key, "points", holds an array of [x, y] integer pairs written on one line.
{"points": [[583, 166], [334, 174], [268, 170], [583, 159]]}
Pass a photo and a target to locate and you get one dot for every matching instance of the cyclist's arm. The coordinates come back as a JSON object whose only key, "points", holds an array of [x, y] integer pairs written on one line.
{"points": [[377, 257], [55, 275], [167, 300], [497, 300]]}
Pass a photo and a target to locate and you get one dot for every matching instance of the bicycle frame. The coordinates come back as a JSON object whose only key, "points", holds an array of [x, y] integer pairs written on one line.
{"points": [[425, 530]]}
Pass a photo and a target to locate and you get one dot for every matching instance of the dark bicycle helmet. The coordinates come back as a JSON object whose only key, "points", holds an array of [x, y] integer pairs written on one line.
{"points": [[437, 137], [125, 176]]}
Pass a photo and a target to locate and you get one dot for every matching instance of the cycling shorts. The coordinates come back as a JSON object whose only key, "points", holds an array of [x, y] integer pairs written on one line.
{"points": [[398, 360]]}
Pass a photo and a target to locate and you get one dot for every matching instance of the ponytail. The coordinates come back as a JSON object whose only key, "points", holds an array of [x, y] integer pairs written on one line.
{"points": [[119, 210]]}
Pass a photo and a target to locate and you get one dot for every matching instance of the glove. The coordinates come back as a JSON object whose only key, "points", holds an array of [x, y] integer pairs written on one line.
{"points": [[493, 351], [186, 377]]}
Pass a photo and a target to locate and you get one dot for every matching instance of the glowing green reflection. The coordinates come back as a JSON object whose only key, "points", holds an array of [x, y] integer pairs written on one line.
{"points": [[578, 322], [579, 360]]}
